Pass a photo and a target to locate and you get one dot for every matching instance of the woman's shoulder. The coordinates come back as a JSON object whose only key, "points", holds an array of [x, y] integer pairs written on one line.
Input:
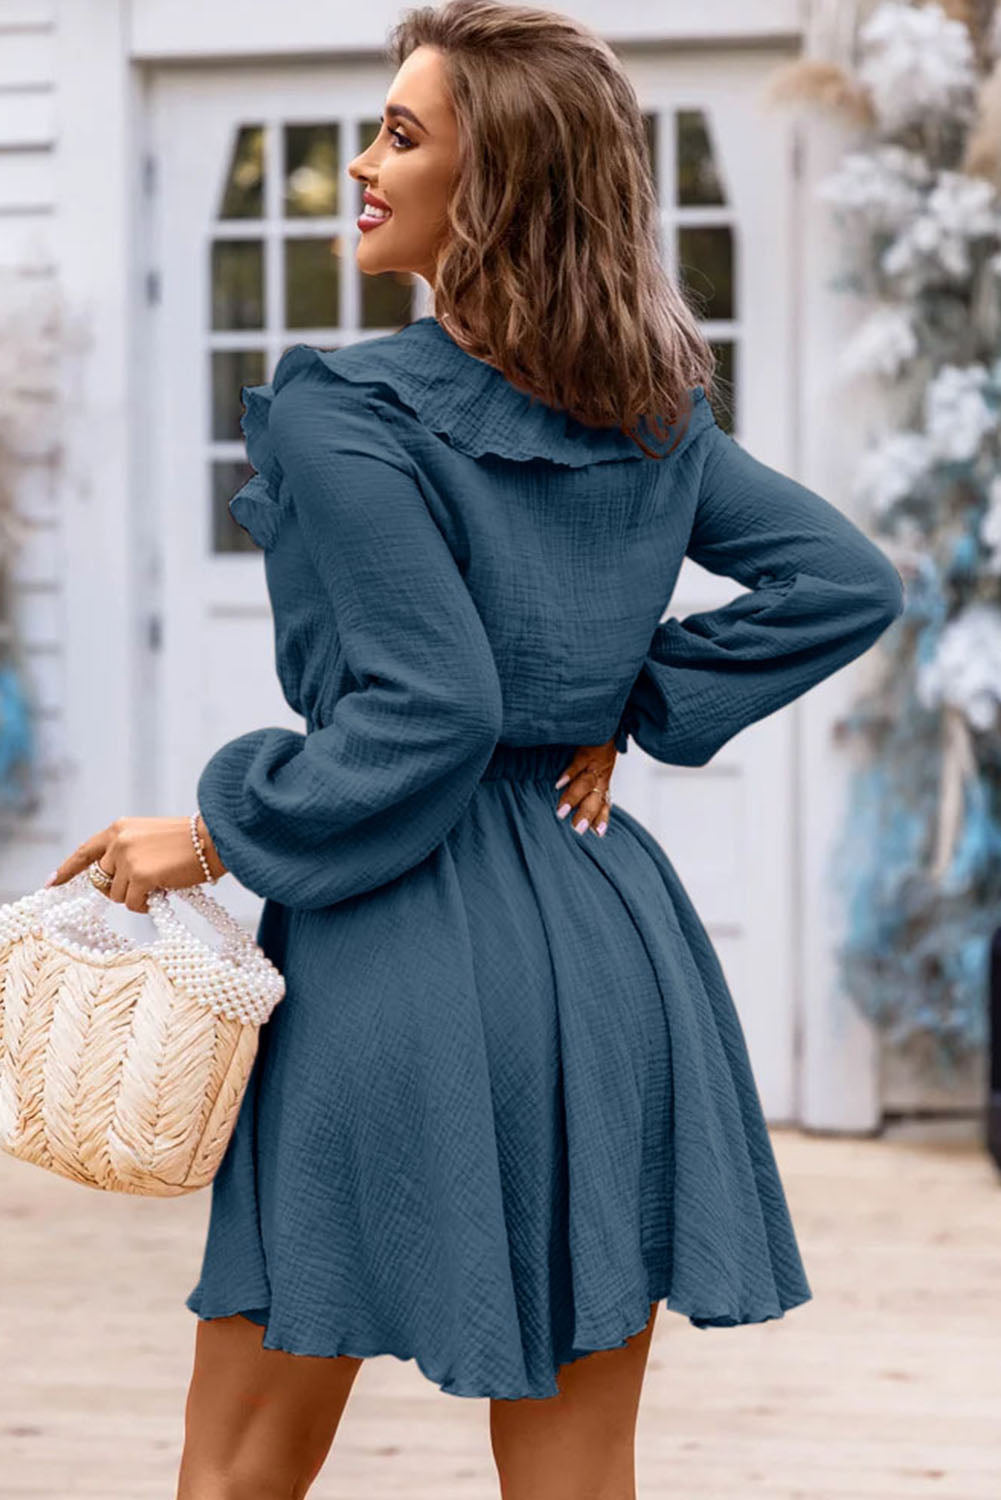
{"points": [[459, 400], [409, 398]]}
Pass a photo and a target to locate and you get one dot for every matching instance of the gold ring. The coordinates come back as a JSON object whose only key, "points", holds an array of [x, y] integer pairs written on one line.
{"points": [[99, 876]]}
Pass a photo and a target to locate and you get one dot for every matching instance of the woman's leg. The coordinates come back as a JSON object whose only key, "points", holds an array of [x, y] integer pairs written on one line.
{"points": [[579, 1445], [258, 1423]]}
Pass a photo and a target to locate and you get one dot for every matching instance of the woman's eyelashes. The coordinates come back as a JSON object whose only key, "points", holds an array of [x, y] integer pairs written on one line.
{"points": [[403, 142]]}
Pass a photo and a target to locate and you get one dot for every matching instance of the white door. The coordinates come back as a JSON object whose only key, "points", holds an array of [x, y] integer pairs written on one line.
{"points": [[254, 250]]}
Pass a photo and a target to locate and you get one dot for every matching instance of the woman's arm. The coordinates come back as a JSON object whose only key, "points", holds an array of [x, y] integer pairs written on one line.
{"points": [[312, 819], [820, 594]]}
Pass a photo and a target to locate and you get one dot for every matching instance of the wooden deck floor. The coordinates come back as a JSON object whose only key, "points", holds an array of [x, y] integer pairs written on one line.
{"points": [[886, 1387]]}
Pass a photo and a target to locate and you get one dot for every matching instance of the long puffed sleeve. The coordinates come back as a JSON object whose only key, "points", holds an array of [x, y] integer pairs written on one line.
{"points": [[309, 820], [820, 593]]}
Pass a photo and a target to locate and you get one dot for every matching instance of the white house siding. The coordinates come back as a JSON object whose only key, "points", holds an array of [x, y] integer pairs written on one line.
{"points": [[67, 210], [28, 205]]}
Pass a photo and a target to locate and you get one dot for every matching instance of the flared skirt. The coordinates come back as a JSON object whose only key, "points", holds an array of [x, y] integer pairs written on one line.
{"points": [[505, 1105]]}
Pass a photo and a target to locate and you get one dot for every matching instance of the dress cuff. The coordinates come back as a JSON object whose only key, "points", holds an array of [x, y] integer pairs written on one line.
{"points": [[623, 730]]}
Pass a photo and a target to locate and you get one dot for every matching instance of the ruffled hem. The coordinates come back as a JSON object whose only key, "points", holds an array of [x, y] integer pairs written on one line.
{"points": [[473, 407], [624, 728], [257, 506], [254, 426], [285, 1339], [256, 509]]}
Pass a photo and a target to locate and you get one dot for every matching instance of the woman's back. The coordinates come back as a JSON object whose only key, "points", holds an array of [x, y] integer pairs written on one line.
{"points": [[568, 539]]}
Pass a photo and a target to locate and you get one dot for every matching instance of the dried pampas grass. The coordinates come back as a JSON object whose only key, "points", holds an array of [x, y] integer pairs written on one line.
{"points": [[982, 156], [966, 11], [812, 81]]}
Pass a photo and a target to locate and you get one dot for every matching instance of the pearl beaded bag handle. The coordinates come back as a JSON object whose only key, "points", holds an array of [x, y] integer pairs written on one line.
{"points": [[237, 980]]}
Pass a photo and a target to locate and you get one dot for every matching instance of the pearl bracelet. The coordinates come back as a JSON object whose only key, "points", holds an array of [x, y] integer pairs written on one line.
{"points": [[200, 849]]}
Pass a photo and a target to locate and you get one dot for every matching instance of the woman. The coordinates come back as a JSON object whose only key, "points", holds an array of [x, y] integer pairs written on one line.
{"points": [[505, 1107]]}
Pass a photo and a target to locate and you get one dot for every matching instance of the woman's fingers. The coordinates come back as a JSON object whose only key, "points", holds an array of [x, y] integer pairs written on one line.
{"points": [[139, 854], [603, 816], [585, 797], [584, 801], [83, 855]]}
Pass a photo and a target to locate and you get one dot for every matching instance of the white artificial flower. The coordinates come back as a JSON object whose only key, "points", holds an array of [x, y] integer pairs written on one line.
{"points": [[917, 62], [884, 186], [892, 470], [965, 671], [882, 344], [956, 414], [970, 203], [957, 210], [990, 526]]}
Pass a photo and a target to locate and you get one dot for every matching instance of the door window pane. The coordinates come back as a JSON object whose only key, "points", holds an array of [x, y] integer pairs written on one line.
{"points": [[367, 132], [725, 402], [698, 178], [705, 261], [228, 476], [237, 282], [243, 190], [387, 301], [650, 128], [312, 170], [232, 369], [312, 282]]}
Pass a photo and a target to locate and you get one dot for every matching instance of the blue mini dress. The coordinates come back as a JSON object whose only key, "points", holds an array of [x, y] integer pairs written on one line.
{"points": [[506, 1102]]}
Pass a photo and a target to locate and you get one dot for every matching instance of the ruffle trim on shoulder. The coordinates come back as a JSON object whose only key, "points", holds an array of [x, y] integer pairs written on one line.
{"points": [[473, 406], [257, 506]]}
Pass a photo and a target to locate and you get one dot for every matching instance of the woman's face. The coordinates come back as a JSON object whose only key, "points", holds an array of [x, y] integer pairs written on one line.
{"points": [[409, 167]]}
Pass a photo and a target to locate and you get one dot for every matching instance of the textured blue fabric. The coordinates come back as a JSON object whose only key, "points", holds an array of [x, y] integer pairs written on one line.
{"points": [[506, 1102]]}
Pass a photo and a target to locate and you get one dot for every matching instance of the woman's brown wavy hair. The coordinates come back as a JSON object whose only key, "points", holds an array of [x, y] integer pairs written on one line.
{"points": [[551, 270]]}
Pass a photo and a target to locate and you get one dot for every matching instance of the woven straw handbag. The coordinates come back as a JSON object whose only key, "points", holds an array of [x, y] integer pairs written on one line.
{"points": [[122, 1066]]}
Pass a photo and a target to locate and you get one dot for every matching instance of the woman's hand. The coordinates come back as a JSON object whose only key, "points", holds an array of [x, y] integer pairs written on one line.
{"points": [[587, 779], [143, 853]]}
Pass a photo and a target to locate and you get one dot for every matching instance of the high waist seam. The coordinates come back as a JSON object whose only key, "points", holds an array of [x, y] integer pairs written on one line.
{"points": [[528, 762]]}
